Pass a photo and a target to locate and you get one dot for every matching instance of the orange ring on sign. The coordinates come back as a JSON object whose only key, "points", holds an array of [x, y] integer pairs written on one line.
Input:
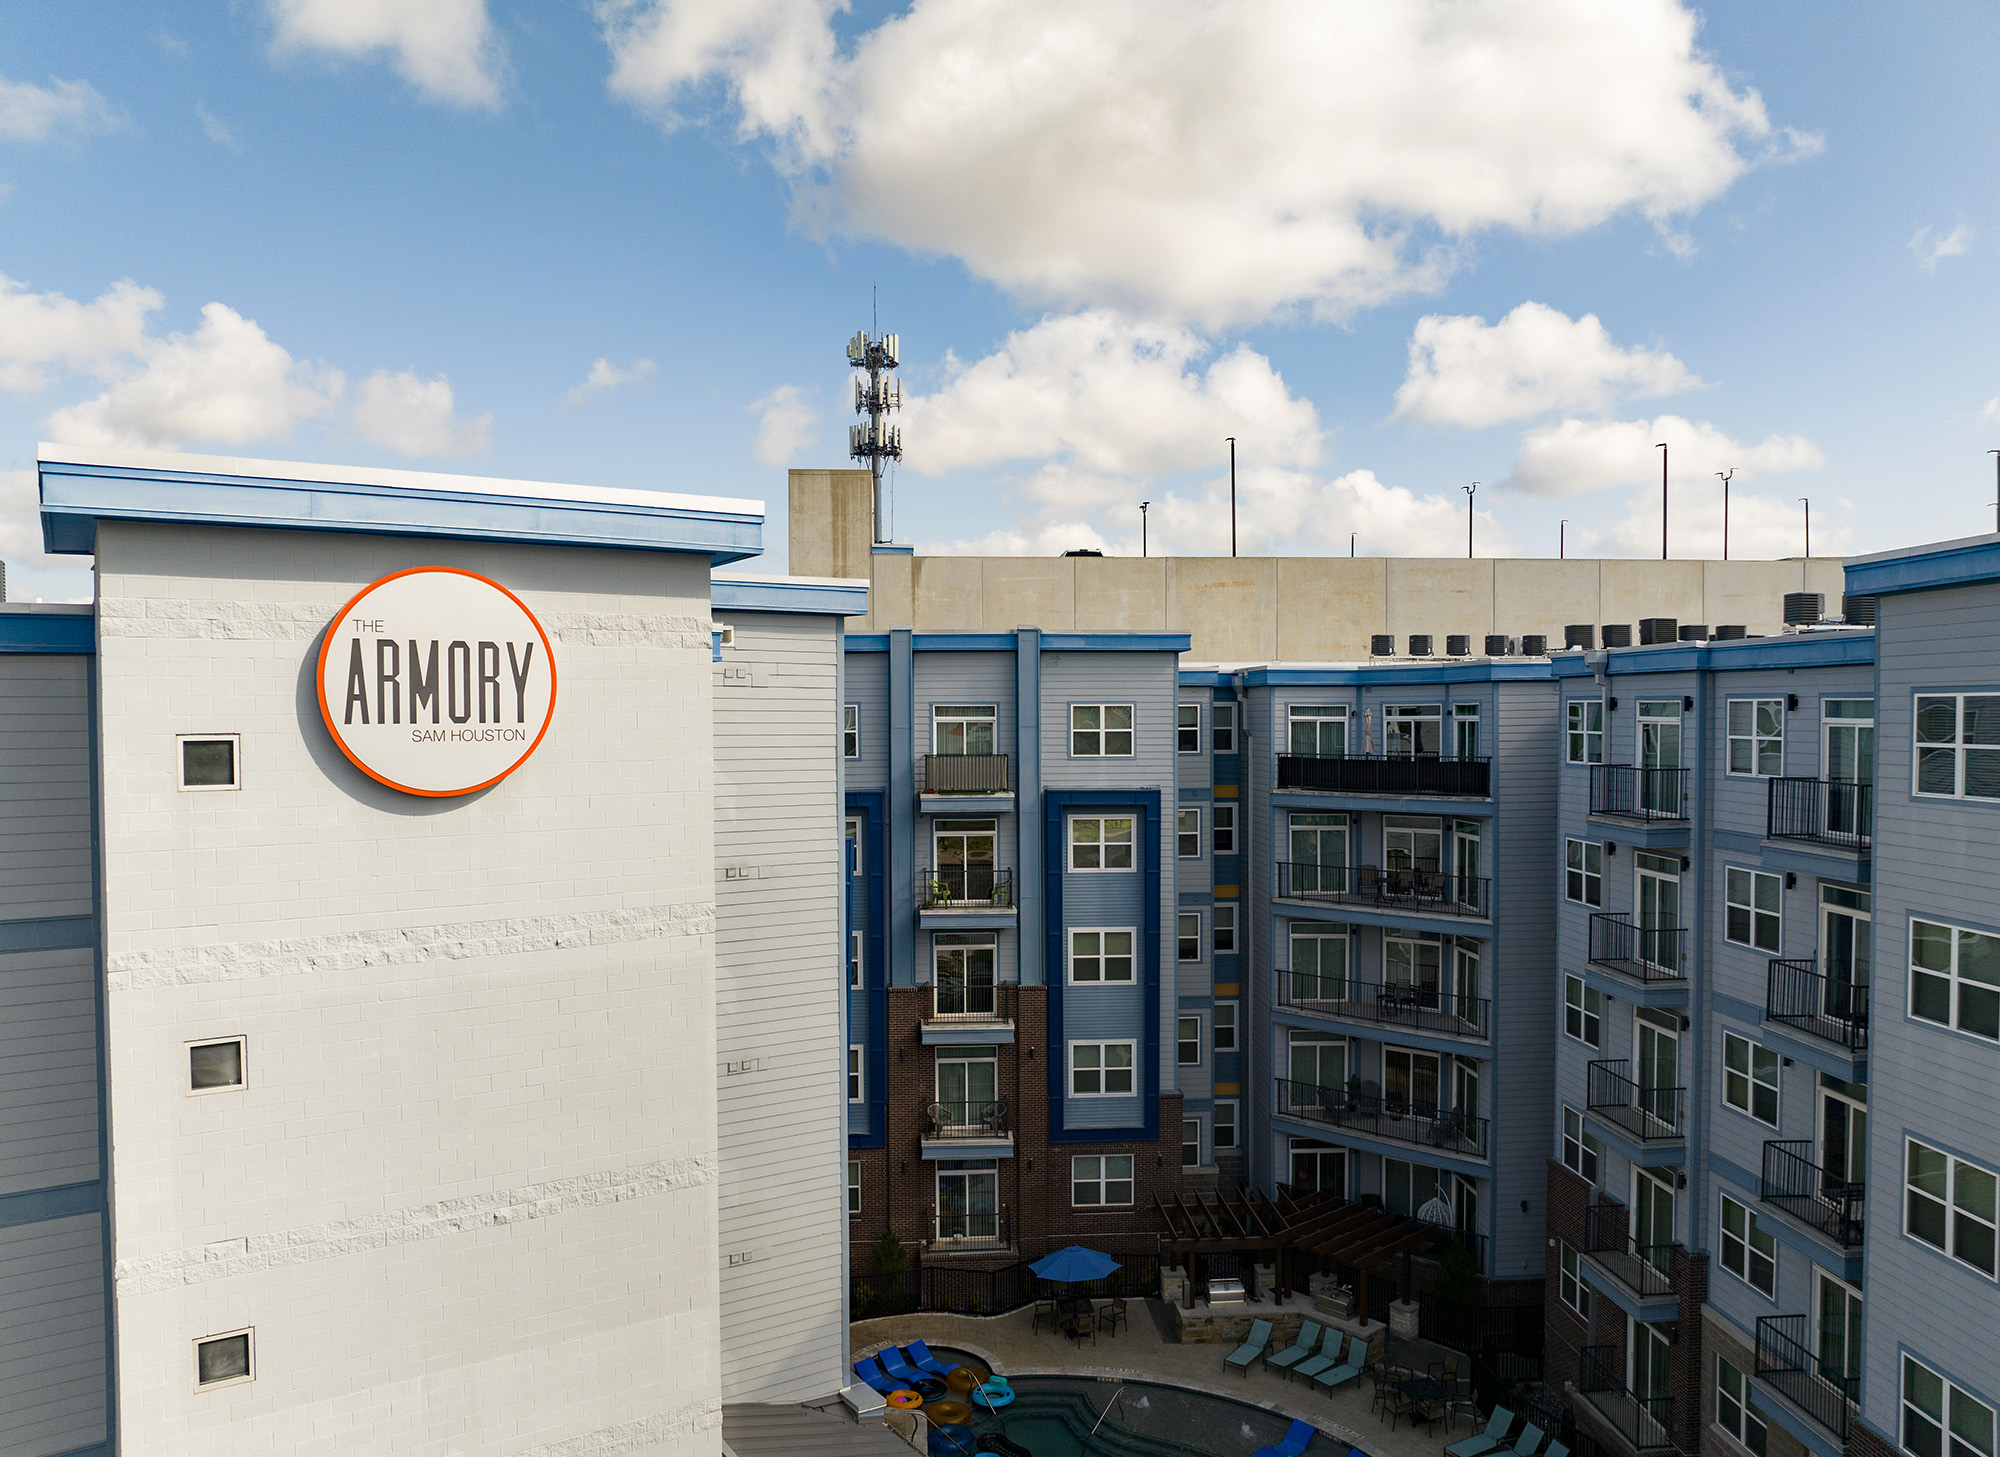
{"points": [[905, 1400], [326, 714]]}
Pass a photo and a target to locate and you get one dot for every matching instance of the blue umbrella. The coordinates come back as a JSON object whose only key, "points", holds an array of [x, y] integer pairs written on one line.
{"points": [[1074, 1265]]}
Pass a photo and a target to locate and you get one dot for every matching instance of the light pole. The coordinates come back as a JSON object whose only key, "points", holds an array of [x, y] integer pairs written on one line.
{"points": [[1232, 495], [1142, 526], [1562, 540], [1725, 478], [1808, 506], [1662, 448], [1996, 481], [1350, 543], [1468, 517]]}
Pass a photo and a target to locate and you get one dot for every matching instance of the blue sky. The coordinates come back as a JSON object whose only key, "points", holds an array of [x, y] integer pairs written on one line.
{"points": [[1108, 237]]}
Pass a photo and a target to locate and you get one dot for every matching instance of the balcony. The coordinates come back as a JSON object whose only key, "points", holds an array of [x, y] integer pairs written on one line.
{"points": [[974, 1011], [1644, 1423], [1631, 792], [1645, 953], [1398, 1120], [1831, 1008], [1834, 812], [1368, 887], [965, 888], [1801, 1188], [969, 1122], [1386, 774], [957, 1230], [1644, 1270], [967, 774], [1786, 1363], [1648, 1114], [1417, 1008]]}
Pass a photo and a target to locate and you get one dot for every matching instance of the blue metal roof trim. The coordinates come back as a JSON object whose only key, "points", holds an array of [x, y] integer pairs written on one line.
{"points": [[1951, 565], [963, 642], [1534, 670], [76, 497], [48, 632], [1205, 678], [866, 642], [824, 598], [1116, 642]]}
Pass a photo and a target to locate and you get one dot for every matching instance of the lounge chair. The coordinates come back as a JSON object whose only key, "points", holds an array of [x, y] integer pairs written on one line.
{"points": [[919, 1356], [893, 1362], [1245, 1356], [1556, 1449], [875, 1378], [1329, 1355], [1493, 1439], [1338, 1376], [1293, 1443], [1309, 1334], [1529, 1440]]}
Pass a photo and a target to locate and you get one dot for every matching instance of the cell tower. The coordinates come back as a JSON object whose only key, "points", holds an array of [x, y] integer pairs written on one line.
{"points": [[875, 397]]}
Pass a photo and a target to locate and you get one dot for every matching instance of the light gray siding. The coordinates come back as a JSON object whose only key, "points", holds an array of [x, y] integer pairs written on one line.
{"points": [[868, 688], [48, 1070], [52, 1344], [45, 787]]}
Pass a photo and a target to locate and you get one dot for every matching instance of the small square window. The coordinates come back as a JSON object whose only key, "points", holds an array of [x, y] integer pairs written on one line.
{"points": [[1225, 927], [1225, 1124], [1189, 1038], [207, 761], [854, 1064], [215, 1067], [854, 1186], [1190, 1143], [850, 731], [1187, 728], [1223, 719], [1187, 926], [1225, 828], [1188, 834], [1225, 1026], [223, 1360]]}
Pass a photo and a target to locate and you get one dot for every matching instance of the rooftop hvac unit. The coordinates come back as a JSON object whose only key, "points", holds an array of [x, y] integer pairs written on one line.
{"points": [[1580, 635], [1657, 630], [1420, 645], [1859, 611], [1459, 645], [1382, 645], [1731, 632], [1534, 645], [1802, 608], [1496, 644], [1694, 632], [1617, 634]]}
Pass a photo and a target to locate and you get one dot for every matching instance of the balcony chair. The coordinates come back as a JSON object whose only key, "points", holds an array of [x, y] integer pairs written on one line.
{"points": [[1246, 1355]]}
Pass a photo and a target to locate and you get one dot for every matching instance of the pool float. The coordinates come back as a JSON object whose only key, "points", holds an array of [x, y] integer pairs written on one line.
{"points": [[905, 1400], [928, 1387], [954, 1439], [945, 1413], [1005, 1447], [993, 1394], [966, 1379]]}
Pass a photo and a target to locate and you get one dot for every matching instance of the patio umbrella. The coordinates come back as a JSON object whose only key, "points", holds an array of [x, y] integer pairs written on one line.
{"points": [[1074, 1265]]}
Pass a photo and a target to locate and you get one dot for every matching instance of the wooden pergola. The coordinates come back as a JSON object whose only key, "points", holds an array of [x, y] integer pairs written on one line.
{"points": [[1248, 1222]]}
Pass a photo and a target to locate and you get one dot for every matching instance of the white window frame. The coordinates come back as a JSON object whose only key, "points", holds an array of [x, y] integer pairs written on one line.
{"points": [[235, 742], [1187, 728], [1131, 842], [1233, 1123], [857, 1073], [1744, 1400], [1748, 1077], [854, 959], [1104, 954], [991, 716], [1589, 1153], [1230, 1006], [1953, 1210], [1186, 941], [1222, 828], [854, 1186], [1187, 842], [1746, 1249], [1224, 931], [1570, 1287], [1945, 1421], [850, 731], [1102, 732], [1102, 1177], [1102, 1071], [1577, 1010], [1577, 874], [1579, 738], [1742, 876], [242, 1065], [1318, 715], [1957, 745], [1194, 1123], [249, 1333], [1182, 1042], [1957, 985], [1222, 727], [856, 828], [1756, 739]]}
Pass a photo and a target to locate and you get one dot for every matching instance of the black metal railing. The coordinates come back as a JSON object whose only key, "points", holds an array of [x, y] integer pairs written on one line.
{"points": [[1829, 811], [1649, 1114], [1400, 1120], [1645, 1270], [1786, 1363], [1645, 1422], [1796, 1184], [965, 887], [987, 1119], [1634, 792], [966, 774], [1431, 891], [1386, 774], [1650, 953], [1829, 1007], [1424, 1008], [975, 1001], [991, 1229]]}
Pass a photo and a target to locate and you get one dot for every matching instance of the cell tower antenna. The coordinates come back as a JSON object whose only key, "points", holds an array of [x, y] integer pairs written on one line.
{"points": [[877, 397]]}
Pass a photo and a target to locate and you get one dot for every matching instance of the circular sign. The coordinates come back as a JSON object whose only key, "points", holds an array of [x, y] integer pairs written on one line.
{"points": [[436, 681]]}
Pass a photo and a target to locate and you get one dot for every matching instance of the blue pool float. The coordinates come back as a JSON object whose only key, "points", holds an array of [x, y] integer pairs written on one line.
{"points": [[994, 1394], [951, 1439]]}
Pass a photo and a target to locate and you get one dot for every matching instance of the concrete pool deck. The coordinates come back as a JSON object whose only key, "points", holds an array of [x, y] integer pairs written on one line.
{"points": [[1137, 1353]]}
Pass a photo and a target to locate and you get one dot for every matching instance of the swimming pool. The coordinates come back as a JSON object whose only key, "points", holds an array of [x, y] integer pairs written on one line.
{"points": [[1053, 1415]]}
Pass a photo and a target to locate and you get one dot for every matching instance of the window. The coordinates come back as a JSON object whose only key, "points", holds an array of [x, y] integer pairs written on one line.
{"points": [[1757, 736], [962, 728], [968, 1082], [1101, 955], [223, 1360], [1187, 728], [854, 959], [1736, 1408], [854, 1074], [1407, 1187], [1750, 1078], [1465, 730], [207, 761], [1100, 729], [1225, 1026], [1955, 978], [1317, 1062], [965, 979], [1187, 938], [1569, 1285], [1187, 837], [1411, 730], [1753, 901], [1949, 1205], [1585, 736], [1583, 1011], [1933, 1406], [854, 828], [1100, 844], [1187, 1036], [216, 1067], [1583, 880], [854, 1186], [1225, 828], [1225, 1123], [1225, 927], [1096, 1179], [850, 731], [1579, 1146], [1190, 1143], [1222, 727], [1318, 730], [1100, 1070], [1748, 1252], [1958, 745]]}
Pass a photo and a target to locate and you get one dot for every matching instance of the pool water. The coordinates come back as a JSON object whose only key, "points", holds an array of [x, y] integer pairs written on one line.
{"points": [[1052, 1415]]}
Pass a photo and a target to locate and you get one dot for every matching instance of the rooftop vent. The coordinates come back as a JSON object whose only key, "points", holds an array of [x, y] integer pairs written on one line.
{"points": [[1730, 632], [1657, 630], [1802, 608], [1459, 645], [1382, 645], [1617, 634], [1580, 635], [1694, 632], [1420, 645], [1496, 645], [1534, 645], [1084, 551], [1859, 611]]}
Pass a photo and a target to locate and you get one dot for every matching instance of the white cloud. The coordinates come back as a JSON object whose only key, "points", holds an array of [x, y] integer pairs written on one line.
{"points": [[1990, 415], [784, 426], [1217, 163], [1464, 371], [43, 330], [1570, 457], [31, 113], [219, 131], [445, 48], [414, 416], [605, 376], [225, 383], [1927, 248]]}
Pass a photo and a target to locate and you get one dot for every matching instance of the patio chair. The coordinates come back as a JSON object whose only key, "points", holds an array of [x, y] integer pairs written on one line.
{"points": [[1295, 1441], [875, 1378], [1297, 1351], [893, 1362], [1555, 1449], [1529, 1441], [1114, 1314], [1329, 1355], [1045, 1309], [919, 1355], [1357, 1362], [1493, 1439], [1245, 1356]]}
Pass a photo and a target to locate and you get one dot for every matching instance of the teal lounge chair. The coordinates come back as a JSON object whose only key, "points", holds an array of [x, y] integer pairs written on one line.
{"points": [[1556, 1449], [1329, 1356], [893, 1362], [1530, 1439], [1245, 1356], [919, 1355], [1295, 1441], [872, 1376], [1353, 1366], [1309, 1335], [1493, 1439]]}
